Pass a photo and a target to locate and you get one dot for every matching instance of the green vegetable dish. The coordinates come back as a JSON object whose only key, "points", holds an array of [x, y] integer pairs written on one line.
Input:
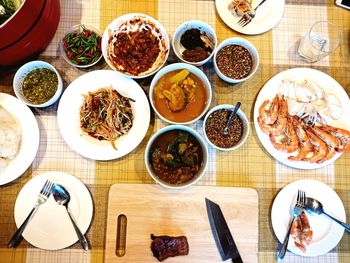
{"points": [[8, 8], [39, 85], [82, 47]]}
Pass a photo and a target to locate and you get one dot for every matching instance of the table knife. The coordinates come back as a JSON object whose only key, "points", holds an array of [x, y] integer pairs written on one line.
{"points": [[222, 235]]}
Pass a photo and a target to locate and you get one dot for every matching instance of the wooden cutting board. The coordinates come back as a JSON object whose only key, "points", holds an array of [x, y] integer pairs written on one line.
{"points": [[152, 209]]}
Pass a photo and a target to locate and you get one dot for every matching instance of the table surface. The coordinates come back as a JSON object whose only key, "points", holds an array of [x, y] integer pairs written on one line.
{"points": [[250, 166]]}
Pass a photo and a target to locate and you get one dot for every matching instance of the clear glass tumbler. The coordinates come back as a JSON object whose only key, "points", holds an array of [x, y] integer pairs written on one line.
{"points": [[322, 39]]}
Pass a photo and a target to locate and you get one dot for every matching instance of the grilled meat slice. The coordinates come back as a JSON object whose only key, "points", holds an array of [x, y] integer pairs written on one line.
{"points": [[166, 246]]}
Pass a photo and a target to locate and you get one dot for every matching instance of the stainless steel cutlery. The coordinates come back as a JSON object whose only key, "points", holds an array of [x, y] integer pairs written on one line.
{"points": [[42, 197]]}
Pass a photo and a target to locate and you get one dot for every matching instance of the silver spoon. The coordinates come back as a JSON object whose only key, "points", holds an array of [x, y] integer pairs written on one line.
{"points": [[230, 119], [314, 206], [62, 197]]}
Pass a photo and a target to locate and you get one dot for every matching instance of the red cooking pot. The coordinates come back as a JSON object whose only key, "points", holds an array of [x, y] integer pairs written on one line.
{"points": [[29, 31]]}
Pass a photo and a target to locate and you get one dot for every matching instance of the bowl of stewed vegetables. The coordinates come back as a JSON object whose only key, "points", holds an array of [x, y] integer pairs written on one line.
{"points": [[176, 156]]}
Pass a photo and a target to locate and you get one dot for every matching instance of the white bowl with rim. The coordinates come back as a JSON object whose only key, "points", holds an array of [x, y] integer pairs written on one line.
{"points": [[240, 42], [240, 114], [203, 28], [75, 28], [22, 73], [192, 69], [201, 143], [130, 23]]}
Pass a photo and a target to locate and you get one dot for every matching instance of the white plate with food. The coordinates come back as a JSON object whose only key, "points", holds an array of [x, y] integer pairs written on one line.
{"points": [[267, 16], [326, 233], [50, 228], [321, 81], [114, 119], [136, 45], [19, 142]]}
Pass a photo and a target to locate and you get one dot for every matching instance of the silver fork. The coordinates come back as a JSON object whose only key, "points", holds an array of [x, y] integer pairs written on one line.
{"points": [[42, 197], [297, 210], [248, 17]]}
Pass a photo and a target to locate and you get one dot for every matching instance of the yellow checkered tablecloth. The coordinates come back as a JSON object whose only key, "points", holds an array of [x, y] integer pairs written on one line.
{"points": [[250, 166]]}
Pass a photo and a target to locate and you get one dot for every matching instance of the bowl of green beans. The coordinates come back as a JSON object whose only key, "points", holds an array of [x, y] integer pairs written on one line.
{"points": [[81, 46]]}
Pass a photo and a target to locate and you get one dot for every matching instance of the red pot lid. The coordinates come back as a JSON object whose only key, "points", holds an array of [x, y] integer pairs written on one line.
{"points": [[21, 21]]}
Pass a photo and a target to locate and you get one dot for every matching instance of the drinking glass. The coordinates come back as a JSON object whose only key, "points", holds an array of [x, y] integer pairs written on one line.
{"points": [[323, 38]]}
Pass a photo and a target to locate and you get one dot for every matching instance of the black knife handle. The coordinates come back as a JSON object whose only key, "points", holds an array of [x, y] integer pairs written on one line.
{"points": [[237, 260]]}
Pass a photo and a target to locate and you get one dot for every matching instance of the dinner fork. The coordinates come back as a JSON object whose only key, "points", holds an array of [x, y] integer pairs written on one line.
{"points": [[248, 17], [297, 210], [42, 197]]}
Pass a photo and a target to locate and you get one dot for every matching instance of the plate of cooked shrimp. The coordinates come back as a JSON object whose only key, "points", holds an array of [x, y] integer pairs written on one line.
{"points": [[302, 118], [311, 234]]}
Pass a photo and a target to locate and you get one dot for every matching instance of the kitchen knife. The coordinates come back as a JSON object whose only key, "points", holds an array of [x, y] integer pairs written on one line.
{"points": [[221, 233]]}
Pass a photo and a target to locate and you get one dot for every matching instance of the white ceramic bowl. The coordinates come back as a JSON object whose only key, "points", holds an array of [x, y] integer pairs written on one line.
{"points": [[21, 74], [204, 150], [203, 27], [126, 23], [242, 42], [63, 53], [240, 114], [178, 66]]}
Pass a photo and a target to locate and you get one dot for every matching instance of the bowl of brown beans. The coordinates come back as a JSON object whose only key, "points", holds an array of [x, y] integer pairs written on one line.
{"points": [[37, 84], [235, 60], [214, 124]]}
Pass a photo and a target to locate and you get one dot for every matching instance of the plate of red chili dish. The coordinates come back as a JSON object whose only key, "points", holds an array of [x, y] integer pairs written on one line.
{"points": [[135, 45]]}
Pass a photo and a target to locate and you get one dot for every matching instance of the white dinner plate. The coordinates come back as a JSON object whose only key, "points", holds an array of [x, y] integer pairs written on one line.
{"points": [[330, 86], [267, 16], [29, 141], [326, 233], [50, 227], [68, 115]]}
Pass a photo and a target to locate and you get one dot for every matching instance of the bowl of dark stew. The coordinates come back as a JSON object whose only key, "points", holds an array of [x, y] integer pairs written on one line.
{"points": [[214, 123], [176, 156]]}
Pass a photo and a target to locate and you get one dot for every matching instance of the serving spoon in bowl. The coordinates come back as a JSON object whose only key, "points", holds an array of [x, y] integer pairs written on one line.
{"points": [[314, 206], [230, 119], [62, 197]]}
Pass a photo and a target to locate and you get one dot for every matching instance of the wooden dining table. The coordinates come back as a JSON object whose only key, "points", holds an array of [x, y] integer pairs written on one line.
{"points": [[249, 166]]}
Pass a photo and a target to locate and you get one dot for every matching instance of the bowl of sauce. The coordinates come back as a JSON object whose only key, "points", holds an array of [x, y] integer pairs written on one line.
{"points": [[214, 123], [194, 42], [176, 156], [37, 84], [180, 93]]}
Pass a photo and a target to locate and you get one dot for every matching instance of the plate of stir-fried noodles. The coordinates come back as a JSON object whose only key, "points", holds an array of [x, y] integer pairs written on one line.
{"points": [[103, 115]]}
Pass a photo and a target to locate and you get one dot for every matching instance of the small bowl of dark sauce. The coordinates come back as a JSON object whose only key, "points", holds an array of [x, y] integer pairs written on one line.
{"points": [[194, 42], [37, 84], [214, 124]]}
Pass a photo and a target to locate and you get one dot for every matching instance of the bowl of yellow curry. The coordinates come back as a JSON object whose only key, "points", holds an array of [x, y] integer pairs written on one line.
{"points": [[180, 93]]}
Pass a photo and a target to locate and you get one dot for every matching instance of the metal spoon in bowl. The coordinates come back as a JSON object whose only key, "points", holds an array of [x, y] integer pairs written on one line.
{"points": [[314, 206], [230, 119], [62, 197]]}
